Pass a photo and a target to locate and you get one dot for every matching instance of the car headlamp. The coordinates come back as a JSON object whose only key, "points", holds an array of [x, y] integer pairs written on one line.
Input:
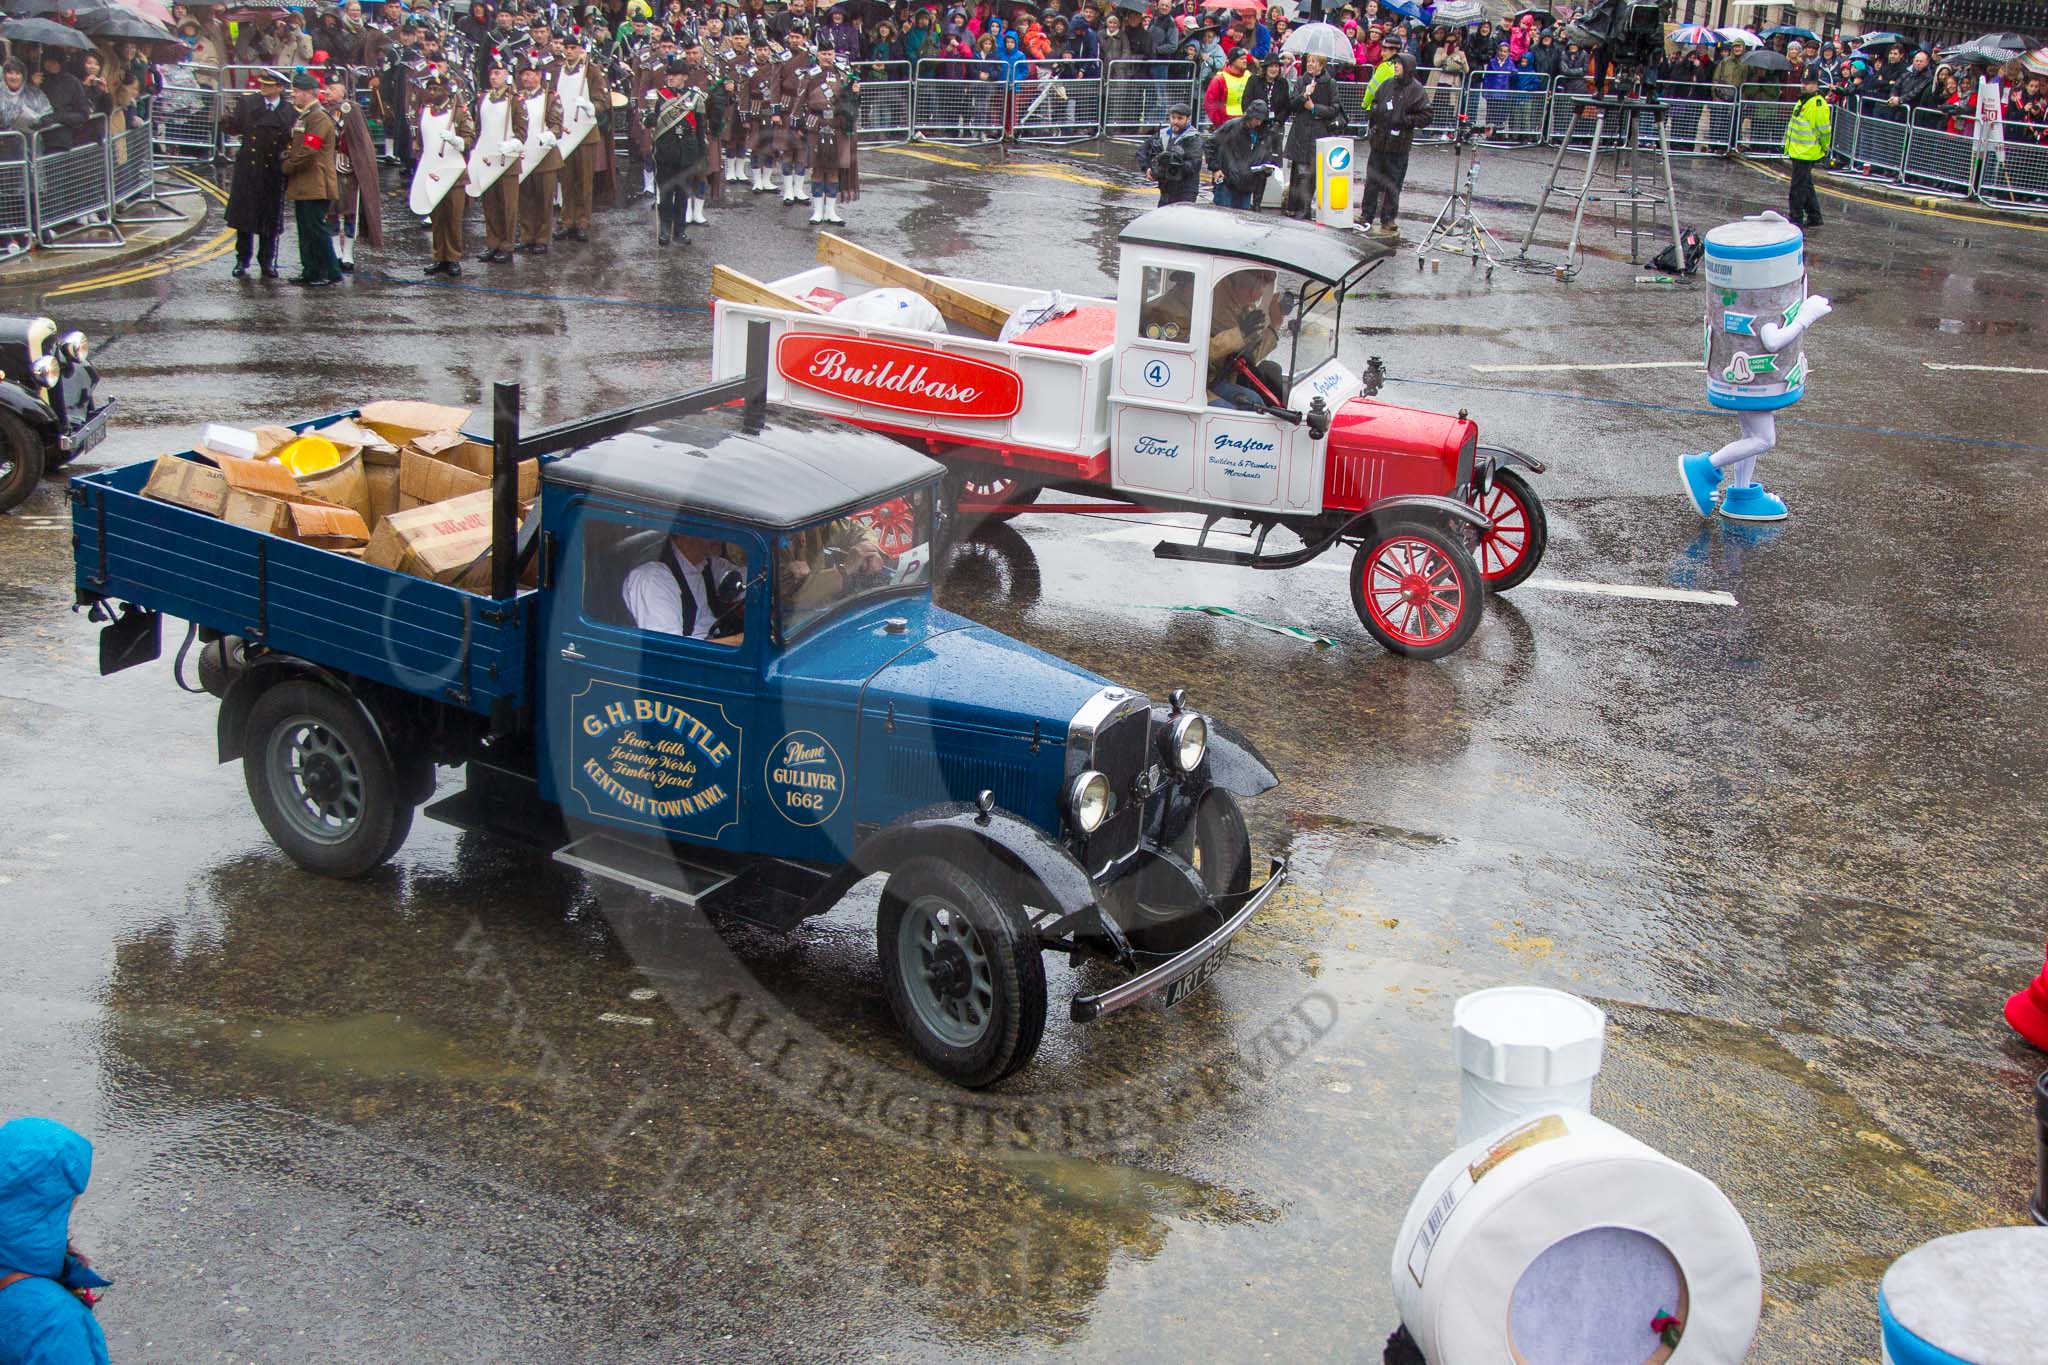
{"points": [[1088, 801], [1188, 742], [73, 346], [46, 371]]}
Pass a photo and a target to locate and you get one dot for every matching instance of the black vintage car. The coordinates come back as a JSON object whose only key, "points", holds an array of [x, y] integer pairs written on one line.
{"points": [[49, 410]]}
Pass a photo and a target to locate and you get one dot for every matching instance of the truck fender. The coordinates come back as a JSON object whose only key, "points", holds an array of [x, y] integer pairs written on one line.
{"points": [[1429, 506], [1232, 763], [29, 408], [264, 672], [1509, 455], [957, 827]]}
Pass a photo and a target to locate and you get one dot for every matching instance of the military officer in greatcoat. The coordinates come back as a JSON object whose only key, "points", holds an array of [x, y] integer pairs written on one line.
{"points": [[256, 195]]}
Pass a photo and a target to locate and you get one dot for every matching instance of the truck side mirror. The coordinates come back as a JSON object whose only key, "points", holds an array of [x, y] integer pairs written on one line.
{"points": [[730, 587]]}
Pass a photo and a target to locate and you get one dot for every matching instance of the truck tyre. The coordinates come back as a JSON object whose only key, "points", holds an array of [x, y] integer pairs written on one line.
{"points": [[1417, 589], [1513, 546], [964, 972], [1153, 908], [320, 781], [1218, 845], [974, 483], [21, 462]]}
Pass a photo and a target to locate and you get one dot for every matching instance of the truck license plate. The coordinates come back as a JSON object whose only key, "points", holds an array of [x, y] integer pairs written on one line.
{"points": [[1194, 980]]}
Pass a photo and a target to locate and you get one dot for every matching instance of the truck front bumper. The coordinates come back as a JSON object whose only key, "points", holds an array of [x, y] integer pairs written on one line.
{"points": [[1179, 976]]}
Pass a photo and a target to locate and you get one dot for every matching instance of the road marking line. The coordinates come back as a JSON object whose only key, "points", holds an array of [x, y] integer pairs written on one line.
{"points": [[1036, 169], [614, 1017], [1920, 206], [1143, 534], [210, 250], [1647, 594], [1616, 365], [1985, 369]]}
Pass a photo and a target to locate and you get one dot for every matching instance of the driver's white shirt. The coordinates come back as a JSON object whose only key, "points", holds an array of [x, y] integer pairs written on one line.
{"points": [[654, 604]]}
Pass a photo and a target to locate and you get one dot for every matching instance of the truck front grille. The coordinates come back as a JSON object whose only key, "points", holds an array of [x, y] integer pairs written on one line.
{"points": [[1123, 749]]}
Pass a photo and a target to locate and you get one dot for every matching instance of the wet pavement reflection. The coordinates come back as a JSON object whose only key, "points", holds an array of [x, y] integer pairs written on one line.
{"points": [[475, 1107]]}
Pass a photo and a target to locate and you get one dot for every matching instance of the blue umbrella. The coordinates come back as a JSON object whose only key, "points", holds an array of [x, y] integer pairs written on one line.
{"points": [[1885, 39], [1406, 8], [1792, 31]]}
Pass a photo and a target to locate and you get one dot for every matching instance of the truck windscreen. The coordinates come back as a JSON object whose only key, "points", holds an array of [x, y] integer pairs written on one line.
{"points": [[878, 551]]}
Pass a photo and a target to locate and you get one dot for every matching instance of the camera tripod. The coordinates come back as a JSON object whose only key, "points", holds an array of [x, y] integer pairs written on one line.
{"points": [[1628, 185], [1457, 230]]}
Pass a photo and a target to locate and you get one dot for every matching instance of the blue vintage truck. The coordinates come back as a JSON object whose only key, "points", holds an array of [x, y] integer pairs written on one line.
{"points": [[816, 721]]}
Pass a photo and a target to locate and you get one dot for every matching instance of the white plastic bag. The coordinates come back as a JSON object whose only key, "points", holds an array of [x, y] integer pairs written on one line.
{"points": [[904, 308]]}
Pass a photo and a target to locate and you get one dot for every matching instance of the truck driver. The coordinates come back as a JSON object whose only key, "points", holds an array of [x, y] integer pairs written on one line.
{"points": [[677, 593], [812, 579], [1245, 320]]}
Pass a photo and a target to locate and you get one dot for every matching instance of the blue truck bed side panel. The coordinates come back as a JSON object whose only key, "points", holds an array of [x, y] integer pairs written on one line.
{"points": [[333, 609]]}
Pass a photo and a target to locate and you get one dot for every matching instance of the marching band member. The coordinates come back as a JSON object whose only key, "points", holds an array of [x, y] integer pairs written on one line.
{"points": [[581, 89], [794, 69], [541, 167], [671, 115], [501, 131], [764, 95], [827, 110], [359, 206], [446, 133]]}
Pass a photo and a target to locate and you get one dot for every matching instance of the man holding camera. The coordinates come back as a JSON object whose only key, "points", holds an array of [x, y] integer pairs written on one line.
{"points": [[1243, 155], [1172, 158], [1399, 107]]}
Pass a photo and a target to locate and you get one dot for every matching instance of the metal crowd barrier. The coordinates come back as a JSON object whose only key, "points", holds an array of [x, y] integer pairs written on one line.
{"points": [[1877, 148], [884, 101], [186, 116], [17, 221], [1136, 95], [1939, 160], [1760, 126], [137, 196], [1517, 116], [963, 112], [2014, 175], [1701, 127], [73, 187], [1062, 102]]}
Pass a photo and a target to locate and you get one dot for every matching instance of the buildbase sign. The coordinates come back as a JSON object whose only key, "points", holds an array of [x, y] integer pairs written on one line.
{"points": [[888, 374]]}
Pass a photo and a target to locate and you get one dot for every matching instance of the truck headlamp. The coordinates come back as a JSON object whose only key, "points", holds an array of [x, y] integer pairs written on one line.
{"points": [[1188, 742], [46, 371], [73, 346], [1088, 801]]}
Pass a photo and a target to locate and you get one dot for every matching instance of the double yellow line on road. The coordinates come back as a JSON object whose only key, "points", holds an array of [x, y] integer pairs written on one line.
{"points": [[211, 250], [1038, 170]]}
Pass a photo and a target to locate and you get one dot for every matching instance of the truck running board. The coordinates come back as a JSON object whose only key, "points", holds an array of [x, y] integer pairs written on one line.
{"points": [[659, 873]]}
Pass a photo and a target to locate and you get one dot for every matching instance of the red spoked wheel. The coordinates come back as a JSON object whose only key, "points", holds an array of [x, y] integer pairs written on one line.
{"points": [[1417, 589], [894, 524], [1511, 548], [978, 490]]}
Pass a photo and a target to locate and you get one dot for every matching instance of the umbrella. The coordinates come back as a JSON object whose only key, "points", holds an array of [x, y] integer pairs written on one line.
{"points": [[2014, 43], [1884, 39], [47, 32], [1695, 35], [123, 26], [1539, 12], [1325, 40], [1974, 54], [1234, 6], [1459, 13], [151, 9], [1739, 35], [1407, 9], [1792, 31], [1767, 60], [2036, 61], [26, 9]]}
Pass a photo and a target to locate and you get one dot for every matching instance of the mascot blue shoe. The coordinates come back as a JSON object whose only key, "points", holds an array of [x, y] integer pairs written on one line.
{"points": [[1749, 502], [1701, 479]]}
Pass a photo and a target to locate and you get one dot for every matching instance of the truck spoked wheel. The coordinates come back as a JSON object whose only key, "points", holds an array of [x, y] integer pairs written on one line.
{"points": [[21, 462], [1511, 548], [963, 969], [894, 524], [974, 491], [1417, 590], [320, 781]]}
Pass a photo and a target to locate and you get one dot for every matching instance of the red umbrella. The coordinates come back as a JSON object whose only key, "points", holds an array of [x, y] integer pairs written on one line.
{"points": [[1236, 6], [151, 9]]}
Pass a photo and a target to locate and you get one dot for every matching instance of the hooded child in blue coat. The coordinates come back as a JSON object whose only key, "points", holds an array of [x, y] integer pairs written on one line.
{"points": [[43, 1169]]}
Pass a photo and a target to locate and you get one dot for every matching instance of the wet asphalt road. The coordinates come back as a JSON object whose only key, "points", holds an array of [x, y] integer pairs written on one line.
{"points": [[477, 1108]]}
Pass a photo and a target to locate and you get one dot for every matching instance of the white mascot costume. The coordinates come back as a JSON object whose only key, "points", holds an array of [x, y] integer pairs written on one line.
{"points": [[1757, 310]]}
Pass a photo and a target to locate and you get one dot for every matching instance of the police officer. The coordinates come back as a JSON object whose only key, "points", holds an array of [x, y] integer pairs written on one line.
{"points": [[1172, 158], [1808, 136]]}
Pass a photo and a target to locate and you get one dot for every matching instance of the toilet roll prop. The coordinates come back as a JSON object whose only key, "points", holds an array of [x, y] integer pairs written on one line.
{"points": [[1758, 309], [1561, 1240], [1970, 1299], [1522, 1049]]}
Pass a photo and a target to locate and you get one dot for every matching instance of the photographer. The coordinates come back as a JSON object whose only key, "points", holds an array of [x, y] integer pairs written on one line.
{"points": [[1242, 154], [1172, 158]]}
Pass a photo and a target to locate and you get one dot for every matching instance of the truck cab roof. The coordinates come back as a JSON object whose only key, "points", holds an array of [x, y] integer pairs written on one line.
{"points": [[788, 470], [1325, 254]]}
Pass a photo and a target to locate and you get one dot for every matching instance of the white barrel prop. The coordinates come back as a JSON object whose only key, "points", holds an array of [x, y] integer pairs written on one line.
{"points": [[440, 167], [1756, 274], [1335, 162], [1561, 1240], [1521, 1049], [1969, 1299]]}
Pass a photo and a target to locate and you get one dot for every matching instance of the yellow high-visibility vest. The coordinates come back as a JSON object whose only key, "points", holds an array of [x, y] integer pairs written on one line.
{"points": [[1233, 91], [1811, 130]]}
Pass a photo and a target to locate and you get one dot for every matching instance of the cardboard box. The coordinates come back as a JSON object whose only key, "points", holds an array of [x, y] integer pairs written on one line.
{"points": [[347, 484], [440, 541], [382, 481], [399, 421], [349, 433], [187, 483], [204, 488], [426, 478], [319, 524]]}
